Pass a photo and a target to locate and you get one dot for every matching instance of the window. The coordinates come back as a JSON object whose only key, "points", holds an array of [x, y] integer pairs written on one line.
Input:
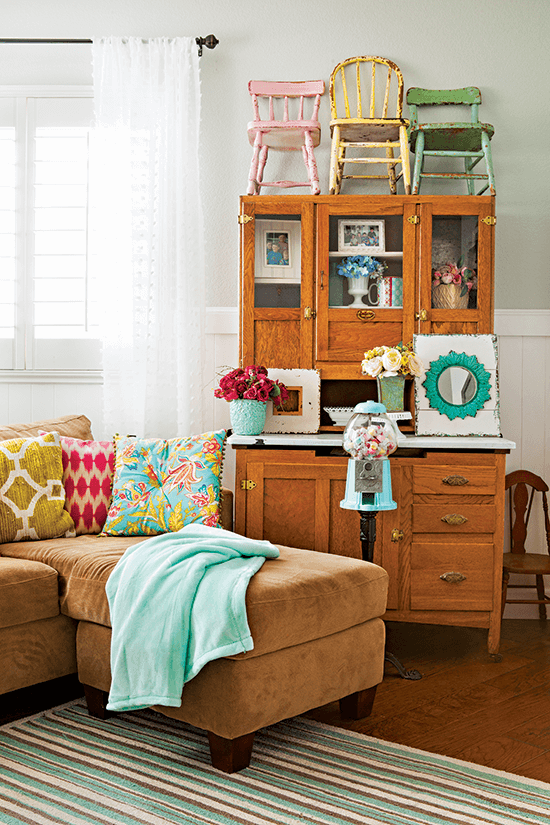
{"points": [[47, 318]]}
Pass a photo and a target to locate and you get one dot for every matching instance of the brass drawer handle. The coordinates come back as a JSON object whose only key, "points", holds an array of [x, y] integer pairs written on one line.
{"points": [[456, 481], [454, 519], [452, 578], [397, 535], [366, 314]]}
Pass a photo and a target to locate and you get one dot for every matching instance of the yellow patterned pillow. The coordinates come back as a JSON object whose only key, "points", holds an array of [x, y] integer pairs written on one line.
{"points": [[32, 497]]}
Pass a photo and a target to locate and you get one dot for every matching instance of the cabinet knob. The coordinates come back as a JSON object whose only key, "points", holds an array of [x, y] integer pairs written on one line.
{"points": [[422, 315], [397, 535], [452, 578], [366, 314], [454, 519], [455, 481]]}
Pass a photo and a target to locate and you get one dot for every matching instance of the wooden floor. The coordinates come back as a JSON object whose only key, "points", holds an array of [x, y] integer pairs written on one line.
{"points": [[466, 705]]}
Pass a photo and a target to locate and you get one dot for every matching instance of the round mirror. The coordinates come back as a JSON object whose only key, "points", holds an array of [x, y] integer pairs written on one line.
{"points": [[457, 385]]}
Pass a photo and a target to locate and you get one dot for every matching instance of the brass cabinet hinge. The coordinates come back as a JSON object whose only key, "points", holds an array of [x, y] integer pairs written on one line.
{"points": [[309, 314], [248, 484], [422, 315], [489, 220], [245, 218], [397, 535], [413, 219]]}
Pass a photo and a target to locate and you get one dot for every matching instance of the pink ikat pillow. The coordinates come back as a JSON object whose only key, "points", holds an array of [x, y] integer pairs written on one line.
{"points": [[88, 468]]}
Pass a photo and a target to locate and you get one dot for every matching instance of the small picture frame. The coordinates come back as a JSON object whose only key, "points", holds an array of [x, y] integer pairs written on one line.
{"points": [[301, 413], [277, 256], [364, 236]]}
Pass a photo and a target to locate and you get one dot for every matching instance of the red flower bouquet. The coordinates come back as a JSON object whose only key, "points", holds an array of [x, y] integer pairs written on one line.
{"points": [[251, 383]]}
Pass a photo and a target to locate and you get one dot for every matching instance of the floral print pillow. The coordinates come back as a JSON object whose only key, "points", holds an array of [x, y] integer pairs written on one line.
{"points": [[159, 486]]}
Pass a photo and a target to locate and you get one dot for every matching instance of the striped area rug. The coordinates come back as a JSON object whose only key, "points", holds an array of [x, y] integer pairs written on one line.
{"points": [[62, 766]]}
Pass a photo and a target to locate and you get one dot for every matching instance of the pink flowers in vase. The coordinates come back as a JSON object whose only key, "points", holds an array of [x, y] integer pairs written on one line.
{"points": [[454, 274], [251, 383]]}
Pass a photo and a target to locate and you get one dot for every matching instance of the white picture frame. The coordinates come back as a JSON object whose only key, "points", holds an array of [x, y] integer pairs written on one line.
{"points": [[282, 263], [361, 236], [303, 413], [459, 393]]}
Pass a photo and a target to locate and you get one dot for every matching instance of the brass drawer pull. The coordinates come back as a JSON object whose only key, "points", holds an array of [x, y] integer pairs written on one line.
{"points": [[452, 578], [397, 535], [454, 519], [366, 314], [456, 481]]}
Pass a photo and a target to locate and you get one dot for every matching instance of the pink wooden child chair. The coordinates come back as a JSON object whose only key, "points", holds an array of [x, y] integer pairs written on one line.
{"points": [[286, 134]]}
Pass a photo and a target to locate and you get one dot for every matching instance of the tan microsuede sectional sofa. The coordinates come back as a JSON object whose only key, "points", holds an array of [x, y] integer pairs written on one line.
{"points": [[315, 621]]}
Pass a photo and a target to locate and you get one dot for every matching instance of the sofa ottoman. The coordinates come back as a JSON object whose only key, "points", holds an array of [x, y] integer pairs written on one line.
{"points": [[318, 637], [37, 643]]}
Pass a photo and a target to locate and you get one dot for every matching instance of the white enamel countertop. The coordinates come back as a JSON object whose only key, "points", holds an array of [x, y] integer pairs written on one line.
{"points": [[432, 442]]}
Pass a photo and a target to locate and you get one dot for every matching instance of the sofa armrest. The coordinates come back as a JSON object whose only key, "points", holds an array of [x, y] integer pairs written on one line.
{"points": [[226, 509]]}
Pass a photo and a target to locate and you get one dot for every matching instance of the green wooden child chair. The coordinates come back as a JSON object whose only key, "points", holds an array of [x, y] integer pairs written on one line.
{"points": [[470, 141]]}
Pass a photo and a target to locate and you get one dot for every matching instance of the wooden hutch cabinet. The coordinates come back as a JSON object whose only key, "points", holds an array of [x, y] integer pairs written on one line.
{"points": [[442, 546]]}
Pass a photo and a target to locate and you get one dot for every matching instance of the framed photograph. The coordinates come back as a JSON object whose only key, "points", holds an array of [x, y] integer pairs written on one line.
{"points": [[277, 255], [361, 237], [301, 413], [458, 395]]}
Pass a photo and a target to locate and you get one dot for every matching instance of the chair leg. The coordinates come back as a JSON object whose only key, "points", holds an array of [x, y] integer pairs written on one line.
{"points": [[541, 595], [334, 189], [391, 171], [468, 166], [405, 160], [418, 163], [253, 173], [261, 167], [230, 755], [505, 580], [311, 164], [486, 145]]}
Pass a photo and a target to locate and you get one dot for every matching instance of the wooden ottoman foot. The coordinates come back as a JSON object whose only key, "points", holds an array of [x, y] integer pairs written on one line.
{"points": [[358, 705], [96, 700], [230, 755]]}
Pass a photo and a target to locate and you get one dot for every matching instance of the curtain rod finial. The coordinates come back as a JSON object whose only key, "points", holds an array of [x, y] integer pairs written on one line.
{"points": [[210, 41]]}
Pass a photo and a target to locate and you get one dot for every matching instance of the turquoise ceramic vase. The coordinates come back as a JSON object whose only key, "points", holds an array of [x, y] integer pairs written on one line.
{"points": [[391, 392], [247, 416]]}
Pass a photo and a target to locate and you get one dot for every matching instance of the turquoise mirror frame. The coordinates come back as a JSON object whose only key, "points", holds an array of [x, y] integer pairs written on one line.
{"points": [[467, 362]]}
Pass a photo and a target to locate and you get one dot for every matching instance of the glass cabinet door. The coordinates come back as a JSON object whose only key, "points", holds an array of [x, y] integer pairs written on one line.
{"points": [[365, 277], [456, 282], [276, 311]]}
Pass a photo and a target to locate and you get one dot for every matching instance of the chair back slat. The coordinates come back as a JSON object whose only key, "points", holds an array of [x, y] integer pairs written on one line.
{"points": [[393, 87], [286, 91]]}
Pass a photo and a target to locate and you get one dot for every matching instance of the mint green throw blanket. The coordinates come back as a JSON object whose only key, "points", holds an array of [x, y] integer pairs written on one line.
{"points": [[177, 601]]}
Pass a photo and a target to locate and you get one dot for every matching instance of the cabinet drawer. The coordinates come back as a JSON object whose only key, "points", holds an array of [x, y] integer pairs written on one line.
{"points": [[472, 562], [454, 480], [446, 517]]}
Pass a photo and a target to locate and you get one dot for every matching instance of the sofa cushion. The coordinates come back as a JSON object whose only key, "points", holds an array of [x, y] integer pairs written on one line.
{"points": [[300, 596], [76, 426], [32, 497], [28, 592], [88, 468], [161, 485]]}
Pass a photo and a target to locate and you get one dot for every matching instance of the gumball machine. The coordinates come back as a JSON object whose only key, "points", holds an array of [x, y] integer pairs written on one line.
{"points": [[370, 438]]}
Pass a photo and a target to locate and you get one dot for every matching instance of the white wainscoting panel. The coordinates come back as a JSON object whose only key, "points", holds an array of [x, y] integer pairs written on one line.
{"points": [[524, 378]]}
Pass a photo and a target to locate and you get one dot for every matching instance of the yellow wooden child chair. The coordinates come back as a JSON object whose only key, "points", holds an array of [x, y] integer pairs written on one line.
{"points": [[468, 140], [373, 88], [285, 133]]}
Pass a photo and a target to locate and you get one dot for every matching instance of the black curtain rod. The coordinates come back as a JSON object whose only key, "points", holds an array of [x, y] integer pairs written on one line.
{"points": [[210, 41]]}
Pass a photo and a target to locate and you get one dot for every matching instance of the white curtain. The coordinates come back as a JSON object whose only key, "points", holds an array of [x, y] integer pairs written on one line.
{"points": [[147, 238]]}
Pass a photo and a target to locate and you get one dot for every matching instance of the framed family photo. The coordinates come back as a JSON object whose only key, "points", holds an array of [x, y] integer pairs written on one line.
{"points": [[361, 236], [277, 250]]}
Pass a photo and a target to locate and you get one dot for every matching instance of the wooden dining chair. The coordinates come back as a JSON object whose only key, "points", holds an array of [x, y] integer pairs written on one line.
{"points": [[469, 140], [522, 486], [278, 127], [366, 105]]}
